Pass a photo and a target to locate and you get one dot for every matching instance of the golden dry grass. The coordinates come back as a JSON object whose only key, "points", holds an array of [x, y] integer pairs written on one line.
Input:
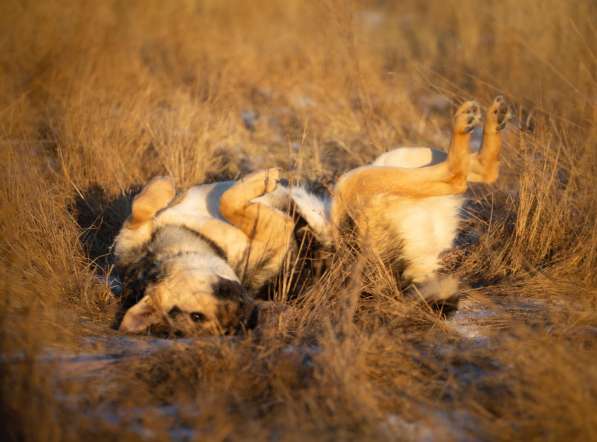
{"points": [[95, 98]]}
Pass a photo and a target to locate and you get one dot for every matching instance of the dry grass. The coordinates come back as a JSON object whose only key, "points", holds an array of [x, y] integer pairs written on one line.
{"points": [[96, 98]]}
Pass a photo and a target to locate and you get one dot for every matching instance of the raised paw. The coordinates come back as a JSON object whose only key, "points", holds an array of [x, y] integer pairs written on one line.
{"points": [[156, 195], [269, 178], [498, 114], [467, 117], [272, 178]]}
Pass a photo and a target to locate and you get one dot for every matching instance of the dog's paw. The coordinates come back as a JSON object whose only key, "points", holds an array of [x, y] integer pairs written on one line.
{"points": [[467, 117], [156, 195], [272, 178], [498, 114], [263, 181], [160, 187]]}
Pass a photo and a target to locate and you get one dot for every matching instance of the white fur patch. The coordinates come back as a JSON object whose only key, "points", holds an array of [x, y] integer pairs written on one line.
{"points": [[410, 157], [315, 210], [426, 227], [198, 204], [278, 199]]}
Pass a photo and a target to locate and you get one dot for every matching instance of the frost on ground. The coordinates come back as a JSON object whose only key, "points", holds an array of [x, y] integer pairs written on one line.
{"points": [[100, 361]]}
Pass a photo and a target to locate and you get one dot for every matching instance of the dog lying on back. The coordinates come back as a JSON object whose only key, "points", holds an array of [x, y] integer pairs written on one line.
{"points": [[406, 205], [193, 261], [189, 261]]}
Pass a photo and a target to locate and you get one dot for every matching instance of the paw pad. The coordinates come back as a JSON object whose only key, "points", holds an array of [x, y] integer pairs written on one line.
{"points": [[499, 112], [468, 116]]}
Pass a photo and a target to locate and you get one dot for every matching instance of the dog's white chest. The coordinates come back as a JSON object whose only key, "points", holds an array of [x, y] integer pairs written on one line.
{"points": [[199, 202]]}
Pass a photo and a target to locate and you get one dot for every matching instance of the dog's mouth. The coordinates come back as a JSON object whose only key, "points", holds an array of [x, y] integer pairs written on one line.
{"points": [[165, 331]]}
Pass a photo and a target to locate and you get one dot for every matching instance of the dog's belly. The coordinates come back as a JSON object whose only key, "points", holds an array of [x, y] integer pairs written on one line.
{"points": [[198, 208], [424, 227], [418, 229], [197, 205], [203, 200]]}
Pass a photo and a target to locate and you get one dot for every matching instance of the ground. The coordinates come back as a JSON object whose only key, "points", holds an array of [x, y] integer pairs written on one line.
{"points": [[97, 98]]}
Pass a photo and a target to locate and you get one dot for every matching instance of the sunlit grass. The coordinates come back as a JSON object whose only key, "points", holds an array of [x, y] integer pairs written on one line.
{"points": [[97, 98]]}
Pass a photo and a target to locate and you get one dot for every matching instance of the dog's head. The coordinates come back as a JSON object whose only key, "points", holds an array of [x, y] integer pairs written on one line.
{"points": [[188, 302], [182, 287]]}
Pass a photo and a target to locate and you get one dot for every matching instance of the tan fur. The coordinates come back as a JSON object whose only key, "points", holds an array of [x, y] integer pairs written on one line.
{"points": [[395, 209], [413, 210], [156, 195], [355, 188], [268, 229], [255, 239], [484, 165]]}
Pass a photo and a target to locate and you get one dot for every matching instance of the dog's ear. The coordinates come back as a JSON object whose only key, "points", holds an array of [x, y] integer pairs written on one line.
{"points": [[228, 290], [140, 316], [156, 195]]}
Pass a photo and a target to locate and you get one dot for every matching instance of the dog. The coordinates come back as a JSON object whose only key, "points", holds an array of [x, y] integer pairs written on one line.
{"points": [[194, 261], [189, 262], [406, 205]]}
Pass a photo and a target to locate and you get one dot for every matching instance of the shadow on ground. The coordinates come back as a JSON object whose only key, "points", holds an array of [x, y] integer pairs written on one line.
{"points": [[100, 216]]}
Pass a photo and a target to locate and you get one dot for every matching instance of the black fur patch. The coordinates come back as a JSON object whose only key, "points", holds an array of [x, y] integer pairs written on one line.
{"points": [[138, 275], [228, 290], [252, 320], [135, 278], [174, 312]]}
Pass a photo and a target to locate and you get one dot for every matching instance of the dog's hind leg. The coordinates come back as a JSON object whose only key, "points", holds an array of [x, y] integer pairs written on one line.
{"points": [[356, 187], [485, 165]]}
